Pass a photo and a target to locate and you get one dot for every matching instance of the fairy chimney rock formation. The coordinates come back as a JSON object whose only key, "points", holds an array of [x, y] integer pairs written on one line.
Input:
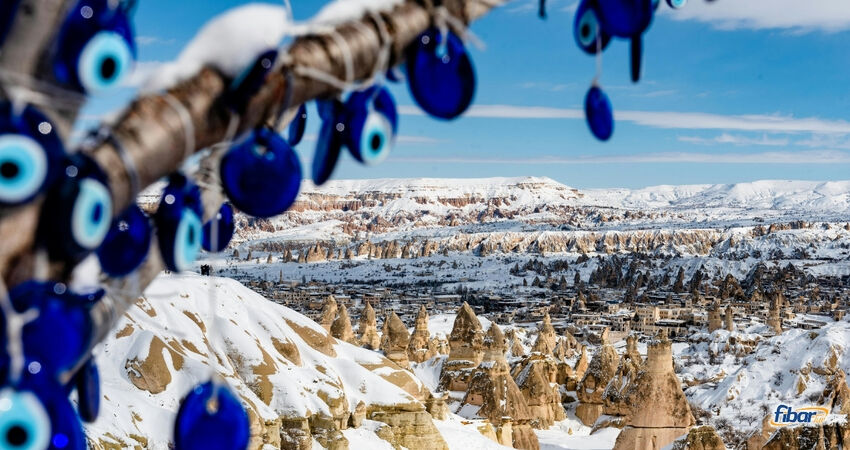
{"points": [[547, 333], [466, 350], [368, 329], [630, 365], [495, 345], [774, 321], [715, 321], [329, 311], [658, 411], [421, 347], [591, 388], [500, 401], [395, 339], [537, 376], [730, 324], [341, 327], [581, 364]]}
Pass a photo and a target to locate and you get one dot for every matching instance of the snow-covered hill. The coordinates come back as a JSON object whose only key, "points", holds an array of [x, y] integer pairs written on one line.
{"points": [[289, 372]]}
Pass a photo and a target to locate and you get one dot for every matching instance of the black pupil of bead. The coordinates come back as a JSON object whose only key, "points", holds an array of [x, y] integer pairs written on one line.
{"points": [[108, 68], [96, 213], [17, 435], [9, 169], [375, 142], [585, 30]]}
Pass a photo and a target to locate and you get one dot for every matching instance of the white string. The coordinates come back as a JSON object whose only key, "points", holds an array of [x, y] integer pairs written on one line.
{"points": [[15, 323], [186, 120], [443, 17], [31, 90]]}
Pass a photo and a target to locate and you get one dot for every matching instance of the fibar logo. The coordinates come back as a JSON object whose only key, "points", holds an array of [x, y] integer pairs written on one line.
{"points": [[786, 415]]}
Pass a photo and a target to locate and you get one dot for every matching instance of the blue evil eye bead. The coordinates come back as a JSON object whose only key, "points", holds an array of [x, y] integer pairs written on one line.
{"points": [[65, 430], [587, 30], [372, 124], [31, 154], [440, 74], [330, 141], [126, 244], [178, 223], [636, 55], [24, 423], [63, 316], [87, 383], [210, 417], [676, 4], [599, 114], [224, 229], [261, 174], [297, 126], [95, 48], [625, 18], [249, 82], [78, 210]]}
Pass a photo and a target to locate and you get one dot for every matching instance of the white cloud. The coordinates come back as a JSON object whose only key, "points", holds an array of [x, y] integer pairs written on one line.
{"points": [[803, 157], [727, 138], [793, 15], [151, 40], [773, 123], [142, 72]]}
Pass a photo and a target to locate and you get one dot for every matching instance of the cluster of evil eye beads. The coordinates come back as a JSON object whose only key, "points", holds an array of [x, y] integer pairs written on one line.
{"points": [[45, 339], [46, 336], [596, 22]]}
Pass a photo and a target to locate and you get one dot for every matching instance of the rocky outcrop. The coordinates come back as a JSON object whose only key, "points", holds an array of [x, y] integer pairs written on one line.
{"points": [[537, 376], [546, 337], [341, 327], [394, 340], [715, 318], [658, 411], [700, 438], [421, 347], [591, 388], [329, 312], [466, 350], [629, 366], [408, 426], [581, 363], [368, 329], [498, 398]]}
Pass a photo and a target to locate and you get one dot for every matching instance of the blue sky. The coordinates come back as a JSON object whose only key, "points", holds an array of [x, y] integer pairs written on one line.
{"points": [[732, 91]]}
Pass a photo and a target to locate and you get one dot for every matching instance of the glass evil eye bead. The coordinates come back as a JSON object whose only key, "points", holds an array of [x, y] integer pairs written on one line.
{"points": [[587, 30], [625, 18], [126, 244], [178, 223], [372, 124], [63, 316], [261, 174], [676, 4], [65, 431], [95, 48], [330, 140], [224, 229], [211, 417], [599, 114], [249, 82], [24, 423], [77, 212], [31, 154], [87, 383], [297, 127], [440, 74]]}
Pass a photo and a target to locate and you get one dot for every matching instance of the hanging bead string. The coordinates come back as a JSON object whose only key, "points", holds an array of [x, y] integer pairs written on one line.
{"points": [[444, 19], [212, 328], [106, 134], [598, 58], [15, 323]]}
